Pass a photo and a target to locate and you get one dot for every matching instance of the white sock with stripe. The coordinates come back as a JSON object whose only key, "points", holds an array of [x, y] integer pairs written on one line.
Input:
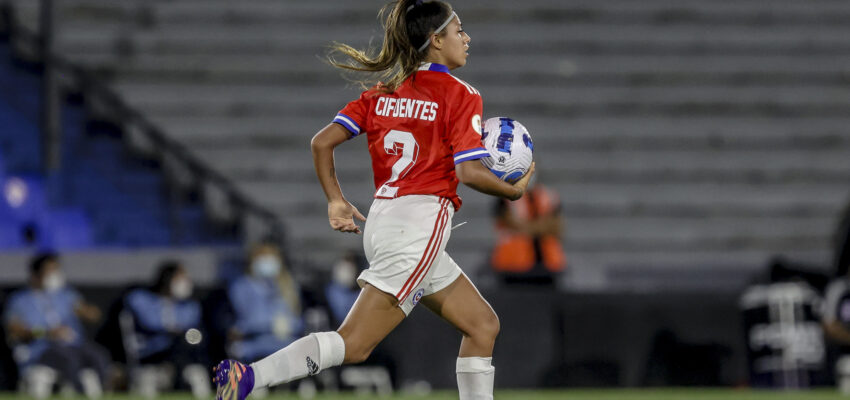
{"points": [[475, 377], [306, 356]]}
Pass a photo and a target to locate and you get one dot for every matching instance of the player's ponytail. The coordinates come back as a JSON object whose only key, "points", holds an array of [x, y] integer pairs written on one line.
{"points": [[408, 24]]}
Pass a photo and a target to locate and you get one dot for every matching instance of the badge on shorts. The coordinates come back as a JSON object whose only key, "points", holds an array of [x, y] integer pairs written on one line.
{"points": [[417, 296]]}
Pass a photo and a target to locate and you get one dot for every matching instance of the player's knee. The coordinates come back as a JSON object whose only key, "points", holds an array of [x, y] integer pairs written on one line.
{"points": [[357, 354], [493, 326], [356, 349], [487, 327]]}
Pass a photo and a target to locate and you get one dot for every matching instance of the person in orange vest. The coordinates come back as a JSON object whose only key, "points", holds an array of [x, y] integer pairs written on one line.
{"points": [[528, 238]]}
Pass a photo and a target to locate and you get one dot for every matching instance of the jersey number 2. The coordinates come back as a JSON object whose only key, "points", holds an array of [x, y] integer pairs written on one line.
{"points": [[394, 142]]}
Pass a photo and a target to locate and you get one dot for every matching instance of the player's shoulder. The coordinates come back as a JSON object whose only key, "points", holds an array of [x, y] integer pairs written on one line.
{"points": [[458, 87], [140, 295], [374, 91]]}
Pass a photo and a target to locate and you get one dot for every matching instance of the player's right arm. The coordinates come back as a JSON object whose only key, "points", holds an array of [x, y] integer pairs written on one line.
{"points": [[475, 175], [340, 212]]}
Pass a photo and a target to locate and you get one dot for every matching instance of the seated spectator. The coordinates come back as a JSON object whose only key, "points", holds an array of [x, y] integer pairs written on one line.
{"points": [[163, 315], [267, 306], [342, 290], [43, 326], [528, 243], [835, 316], [835, 320]]}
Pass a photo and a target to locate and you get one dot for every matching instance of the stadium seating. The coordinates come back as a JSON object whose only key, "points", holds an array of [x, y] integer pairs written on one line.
{"points": [[686, 133], [102, 197]]}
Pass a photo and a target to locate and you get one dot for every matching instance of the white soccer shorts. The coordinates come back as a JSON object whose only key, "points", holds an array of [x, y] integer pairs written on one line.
{"points": [[405, 240]]}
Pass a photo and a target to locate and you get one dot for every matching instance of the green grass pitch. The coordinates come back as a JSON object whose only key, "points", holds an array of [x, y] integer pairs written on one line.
{"points": [[589, 394]]}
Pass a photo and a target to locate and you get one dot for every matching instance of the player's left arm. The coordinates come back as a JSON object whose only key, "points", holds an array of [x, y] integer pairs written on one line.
{"points": [[340, 212]]}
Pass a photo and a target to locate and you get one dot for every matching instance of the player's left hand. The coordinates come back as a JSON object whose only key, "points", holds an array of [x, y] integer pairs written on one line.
{"points": [[341, 216]]}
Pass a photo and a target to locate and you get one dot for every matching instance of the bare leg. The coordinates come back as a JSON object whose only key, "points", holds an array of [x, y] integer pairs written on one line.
{"points": [[374, 315], [461, 305]]}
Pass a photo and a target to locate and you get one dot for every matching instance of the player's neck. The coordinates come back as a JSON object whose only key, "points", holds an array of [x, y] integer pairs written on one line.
{"points": [[437, 58]]}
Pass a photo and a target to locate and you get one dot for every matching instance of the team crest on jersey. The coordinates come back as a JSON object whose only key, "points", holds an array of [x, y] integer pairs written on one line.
{"points": [[476, 123], [417, 296]]}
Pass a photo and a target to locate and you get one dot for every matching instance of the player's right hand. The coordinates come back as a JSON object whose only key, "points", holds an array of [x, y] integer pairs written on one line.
{"points": [[341, 216]]}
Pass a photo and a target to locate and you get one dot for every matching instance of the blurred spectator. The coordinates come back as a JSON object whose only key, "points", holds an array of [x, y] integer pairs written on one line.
{"points": [[835, 318], [267, 306], [342, 290], [835, 315], [167, 326], [43, 326], [528, 244]]}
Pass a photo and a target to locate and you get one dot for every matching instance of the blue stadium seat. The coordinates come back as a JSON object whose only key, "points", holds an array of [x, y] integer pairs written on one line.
{"points": [[10, 232], [2, 166], [66, 229]]}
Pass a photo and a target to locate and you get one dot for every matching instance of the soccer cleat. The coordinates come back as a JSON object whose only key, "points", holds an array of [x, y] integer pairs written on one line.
{"points": [[233, 380]]}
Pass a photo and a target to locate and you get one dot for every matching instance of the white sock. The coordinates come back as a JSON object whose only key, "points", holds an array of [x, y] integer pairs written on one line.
{"points": [[306, 356], [475, 378]]}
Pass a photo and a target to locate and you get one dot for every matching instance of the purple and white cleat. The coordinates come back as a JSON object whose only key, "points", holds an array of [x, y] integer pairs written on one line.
{"points": [[233, 380]]}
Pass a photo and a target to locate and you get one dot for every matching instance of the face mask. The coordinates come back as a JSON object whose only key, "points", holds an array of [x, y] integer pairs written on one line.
{"points": [[54, 281], [181, 288], [344, 273], [266, 266]]}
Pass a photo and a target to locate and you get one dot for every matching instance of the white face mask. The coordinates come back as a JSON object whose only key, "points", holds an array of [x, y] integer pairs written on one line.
{"points": [[181, 288], [344, 273], [54, 281], [266, 266]]}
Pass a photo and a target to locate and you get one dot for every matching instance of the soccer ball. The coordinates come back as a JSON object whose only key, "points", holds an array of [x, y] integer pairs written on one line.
{"points": [[510, 147]]}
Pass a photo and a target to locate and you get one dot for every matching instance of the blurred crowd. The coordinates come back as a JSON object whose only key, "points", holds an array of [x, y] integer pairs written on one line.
{"points": [[163, 335]]}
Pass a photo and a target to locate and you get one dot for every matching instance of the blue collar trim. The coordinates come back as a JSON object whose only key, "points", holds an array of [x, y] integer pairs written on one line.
{"points": [[434, 67]]}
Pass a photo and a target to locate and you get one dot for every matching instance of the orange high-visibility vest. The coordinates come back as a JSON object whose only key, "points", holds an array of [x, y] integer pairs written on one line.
{"points": [[514, 251]]}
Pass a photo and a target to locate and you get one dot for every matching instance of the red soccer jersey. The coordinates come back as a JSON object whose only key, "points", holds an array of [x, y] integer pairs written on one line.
{"points": [[418, 133]]}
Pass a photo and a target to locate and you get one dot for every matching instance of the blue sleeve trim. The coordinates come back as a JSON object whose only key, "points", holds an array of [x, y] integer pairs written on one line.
{"points": [[348, 123], [471, 154]]}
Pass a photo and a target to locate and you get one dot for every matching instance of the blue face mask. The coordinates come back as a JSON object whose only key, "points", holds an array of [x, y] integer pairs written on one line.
{"points": [[266, 266]]}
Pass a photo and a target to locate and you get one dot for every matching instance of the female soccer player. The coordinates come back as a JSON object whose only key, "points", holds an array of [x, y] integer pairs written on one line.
{"points": [[423, 127]]}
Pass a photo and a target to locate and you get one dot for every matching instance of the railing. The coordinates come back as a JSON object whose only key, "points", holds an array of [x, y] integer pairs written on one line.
{"points": [[253, 220]]}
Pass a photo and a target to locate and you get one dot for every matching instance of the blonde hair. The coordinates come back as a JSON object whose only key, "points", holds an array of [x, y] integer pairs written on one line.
{"points": [[407, 26]]}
